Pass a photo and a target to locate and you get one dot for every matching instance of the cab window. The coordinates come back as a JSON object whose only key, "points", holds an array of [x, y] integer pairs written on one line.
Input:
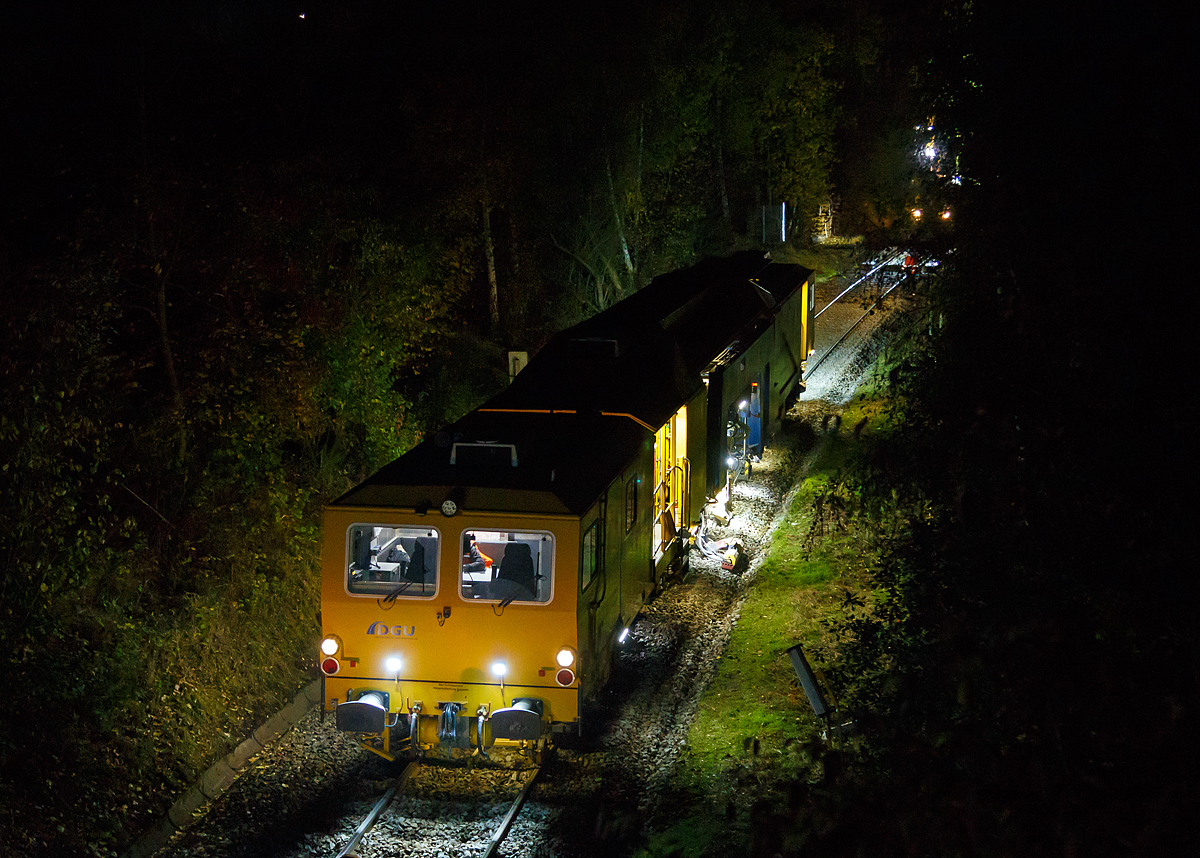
{"points": [[507, 565], [384, 560]]}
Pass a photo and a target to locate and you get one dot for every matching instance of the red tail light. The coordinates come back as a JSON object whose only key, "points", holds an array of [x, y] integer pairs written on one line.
{"points": [[330, 666], [565, 677]]}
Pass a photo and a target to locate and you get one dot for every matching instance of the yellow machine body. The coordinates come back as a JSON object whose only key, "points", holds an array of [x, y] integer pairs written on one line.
{"points": [[446, 641]]}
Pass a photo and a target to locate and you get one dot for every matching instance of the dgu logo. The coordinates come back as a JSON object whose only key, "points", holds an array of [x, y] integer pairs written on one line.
{"points": [[394, 631]]}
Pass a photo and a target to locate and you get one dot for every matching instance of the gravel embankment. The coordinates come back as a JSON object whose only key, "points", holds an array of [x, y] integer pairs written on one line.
{"points": [[302, 797]]}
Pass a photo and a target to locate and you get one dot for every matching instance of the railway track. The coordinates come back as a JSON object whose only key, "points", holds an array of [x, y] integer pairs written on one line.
{"points": [[351, 848]]}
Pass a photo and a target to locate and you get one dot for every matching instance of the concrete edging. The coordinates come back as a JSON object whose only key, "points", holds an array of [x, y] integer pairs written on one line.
{"points": [[221, 774]]}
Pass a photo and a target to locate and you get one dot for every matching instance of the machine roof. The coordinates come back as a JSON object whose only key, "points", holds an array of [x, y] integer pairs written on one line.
{"points": [[562, 464], [664, 335], [591, 398]]}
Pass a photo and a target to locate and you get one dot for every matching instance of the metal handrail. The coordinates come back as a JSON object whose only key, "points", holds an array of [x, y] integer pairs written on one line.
{"points": [[667, 476], [674, 504]]}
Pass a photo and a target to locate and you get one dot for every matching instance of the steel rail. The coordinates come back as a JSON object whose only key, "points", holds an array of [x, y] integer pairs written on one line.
{"points": [[506, 823], [849, 330], [887, 261], [380, 806]]}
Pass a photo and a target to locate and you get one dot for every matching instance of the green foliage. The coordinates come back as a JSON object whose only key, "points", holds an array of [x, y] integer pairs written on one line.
{"points": [[163, 607], [699, 836], [469, 371], [797, 116], [59, 521], [975, 657], [737, 109]]}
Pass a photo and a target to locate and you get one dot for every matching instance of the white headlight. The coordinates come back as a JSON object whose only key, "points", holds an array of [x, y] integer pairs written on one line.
{"points": [[329, 646], [565, 657], [499, 668], [393, 664]]}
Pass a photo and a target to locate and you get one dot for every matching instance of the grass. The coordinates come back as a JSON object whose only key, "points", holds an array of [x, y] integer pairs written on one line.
{"points": [[755, 734]]}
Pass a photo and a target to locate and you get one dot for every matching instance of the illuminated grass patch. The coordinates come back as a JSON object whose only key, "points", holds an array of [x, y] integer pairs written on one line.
{"points": [[755, 733]]}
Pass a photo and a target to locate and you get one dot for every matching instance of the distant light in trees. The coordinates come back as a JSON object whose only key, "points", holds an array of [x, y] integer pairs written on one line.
{"points": [[946, 214], [916, 213]]}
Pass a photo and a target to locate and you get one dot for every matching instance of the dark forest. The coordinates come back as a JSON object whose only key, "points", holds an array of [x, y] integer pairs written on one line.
{"points": [[251, 252]]}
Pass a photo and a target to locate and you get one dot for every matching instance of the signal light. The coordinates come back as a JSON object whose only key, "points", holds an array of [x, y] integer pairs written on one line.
{"points": [[330, 645], [565, 677], [565, 657], [330, 666]]}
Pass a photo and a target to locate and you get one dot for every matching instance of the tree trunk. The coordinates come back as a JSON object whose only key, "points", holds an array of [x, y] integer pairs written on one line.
{"points": [[641, 148], [518, 297], [721, 187], [612, 195], [490, 251], [169, 362]]}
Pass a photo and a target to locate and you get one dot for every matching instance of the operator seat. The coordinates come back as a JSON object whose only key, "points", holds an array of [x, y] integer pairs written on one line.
{"points": [[517, 567]]}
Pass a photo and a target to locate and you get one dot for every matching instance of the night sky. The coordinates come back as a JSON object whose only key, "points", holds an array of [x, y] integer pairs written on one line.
{"points": [[96, 92]]}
